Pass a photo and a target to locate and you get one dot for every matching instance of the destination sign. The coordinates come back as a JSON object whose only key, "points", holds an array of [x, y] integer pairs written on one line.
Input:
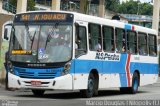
{"points": [[43, 17], [21, 52]]}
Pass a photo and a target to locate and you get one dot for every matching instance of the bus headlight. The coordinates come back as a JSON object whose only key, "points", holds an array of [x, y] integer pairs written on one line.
{"points": [[11, 71], [10, 67], [66, 68]]}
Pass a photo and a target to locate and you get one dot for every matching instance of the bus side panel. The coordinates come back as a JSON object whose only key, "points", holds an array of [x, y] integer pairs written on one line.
{"points": [[111, 73], [114, 73], [82, 70], [147, 67]]}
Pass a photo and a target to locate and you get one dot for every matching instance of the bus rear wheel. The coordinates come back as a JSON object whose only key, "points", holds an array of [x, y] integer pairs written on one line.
{"points": [[38, 92], [89, 92], [134, 88], [135, 83]]}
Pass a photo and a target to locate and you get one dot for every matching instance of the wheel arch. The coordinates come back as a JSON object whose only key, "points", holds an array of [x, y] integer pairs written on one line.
{"points": [[96, 75]]}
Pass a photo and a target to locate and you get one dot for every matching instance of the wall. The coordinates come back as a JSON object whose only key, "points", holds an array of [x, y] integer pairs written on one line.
{"points": [[3, 44]]}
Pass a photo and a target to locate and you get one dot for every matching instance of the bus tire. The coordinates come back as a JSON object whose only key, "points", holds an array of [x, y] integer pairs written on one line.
{"points": [[6, 82], [135, 83], [38, 92], [89, 92]]}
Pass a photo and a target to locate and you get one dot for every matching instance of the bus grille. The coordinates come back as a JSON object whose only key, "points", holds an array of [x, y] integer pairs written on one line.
{"points": [[37, 73]]}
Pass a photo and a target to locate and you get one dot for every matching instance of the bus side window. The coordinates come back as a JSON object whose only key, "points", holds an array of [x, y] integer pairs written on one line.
{"points": [[95, 43], [152, 45], [81, 41], [142, 44], [120, 40], [108, 39], [131, 42]]}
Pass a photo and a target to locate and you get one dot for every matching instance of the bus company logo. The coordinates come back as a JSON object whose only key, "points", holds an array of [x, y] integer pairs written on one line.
{"points": [[108, 56]]}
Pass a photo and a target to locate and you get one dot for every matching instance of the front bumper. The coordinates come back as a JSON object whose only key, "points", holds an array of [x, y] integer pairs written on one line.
{"points": [[61, 83]]}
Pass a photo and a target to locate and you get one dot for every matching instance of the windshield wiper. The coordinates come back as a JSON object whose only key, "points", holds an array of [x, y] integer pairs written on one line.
{"points": [[27, 29], [33, 39], [29, 35], [49, 36]]}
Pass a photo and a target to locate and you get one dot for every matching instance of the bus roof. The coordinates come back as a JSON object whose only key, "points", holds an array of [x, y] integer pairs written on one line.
{"points": [[103, 21]]}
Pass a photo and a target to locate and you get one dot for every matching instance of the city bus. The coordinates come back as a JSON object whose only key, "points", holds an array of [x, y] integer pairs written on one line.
{"points": [[58, 50]]}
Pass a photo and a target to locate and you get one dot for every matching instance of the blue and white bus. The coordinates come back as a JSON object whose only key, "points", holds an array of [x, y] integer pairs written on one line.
{"points": [[72, 51]]}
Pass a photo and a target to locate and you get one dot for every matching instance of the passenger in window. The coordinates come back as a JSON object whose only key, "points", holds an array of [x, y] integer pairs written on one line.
{"points": [[123, 49], [112, 49], [154, 54], [98, 47], [140, 50], [131, 50], [76, 46], [116, 50]]}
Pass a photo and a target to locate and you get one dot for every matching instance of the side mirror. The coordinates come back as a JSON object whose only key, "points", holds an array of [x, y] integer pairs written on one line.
{"points": [[6, 30], [6, 34]]}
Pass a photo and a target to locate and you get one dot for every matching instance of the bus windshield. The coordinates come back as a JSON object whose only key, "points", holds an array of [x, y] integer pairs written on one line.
{"points": [[46, 43]]}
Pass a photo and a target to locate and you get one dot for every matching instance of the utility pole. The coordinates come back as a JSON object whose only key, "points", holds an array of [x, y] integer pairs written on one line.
{"points": [[101, 8], [83, 6], [156, 11], [56, 5], [21, 6]]}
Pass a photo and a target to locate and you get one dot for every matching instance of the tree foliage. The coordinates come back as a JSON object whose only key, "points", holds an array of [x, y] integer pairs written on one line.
{"points": [[129, 7], [112, 4], [146, 9], [30, 4]]}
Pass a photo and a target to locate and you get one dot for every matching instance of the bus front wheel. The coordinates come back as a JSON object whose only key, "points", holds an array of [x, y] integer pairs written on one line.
{"points": [[38, 92], [88, 93]]}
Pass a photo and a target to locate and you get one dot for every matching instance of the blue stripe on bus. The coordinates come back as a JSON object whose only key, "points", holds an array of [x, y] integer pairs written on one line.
{"points": [[122, 66], [144, 68]]}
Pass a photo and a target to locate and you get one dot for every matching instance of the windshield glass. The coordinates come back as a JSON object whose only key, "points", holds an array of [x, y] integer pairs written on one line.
{"points": [[41, 43]]}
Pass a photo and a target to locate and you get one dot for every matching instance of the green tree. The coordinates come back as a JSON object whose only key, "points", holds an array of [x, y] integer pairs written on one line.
{"points": [[129, 7], [30, 4], [146, 9], [112, 5], [13, 2], [135, 7]]}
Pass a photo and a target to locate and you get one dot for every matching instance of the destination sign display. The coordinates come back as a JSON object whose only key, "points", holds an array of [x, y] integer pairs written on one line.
{"points": [[44, 17], [21, 52]]}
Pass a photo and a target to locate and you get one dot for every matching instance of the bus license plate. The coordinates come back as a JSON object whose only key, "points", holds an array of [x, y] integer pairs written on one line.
{"points": [[35, 83]]}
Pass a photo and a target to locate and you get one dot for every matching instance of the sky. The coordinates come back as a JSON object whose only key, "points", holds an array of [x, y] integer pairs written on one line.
{"points": [[140, 0]]}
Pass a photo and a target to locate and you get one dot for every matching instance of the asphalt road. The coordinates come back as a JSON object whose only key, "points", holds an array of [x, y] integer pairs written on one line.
{"points": [[147, 95]]}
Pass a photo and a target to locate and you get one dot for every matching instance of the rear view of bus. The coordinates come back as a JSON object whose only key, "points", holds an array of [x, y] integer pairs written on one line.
{"points": [[40, 51]]}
